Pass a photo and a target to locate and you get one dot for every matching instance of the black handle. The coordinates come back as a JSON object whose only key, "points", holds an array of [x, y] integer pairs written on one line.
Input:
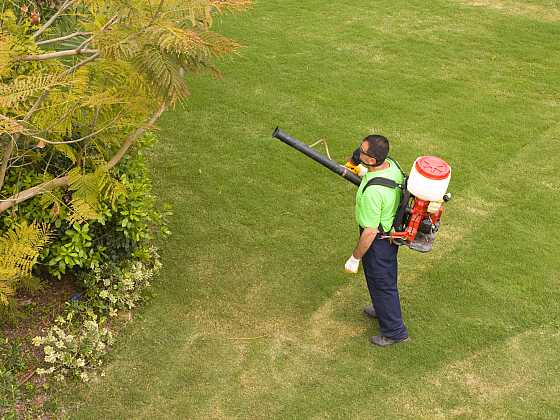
{"points": [[313, 154]]}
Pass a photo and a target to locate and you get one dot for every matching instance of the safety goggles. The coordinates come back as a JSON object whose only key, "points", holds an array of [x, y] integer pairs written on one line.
{"points": [[367, 154]]}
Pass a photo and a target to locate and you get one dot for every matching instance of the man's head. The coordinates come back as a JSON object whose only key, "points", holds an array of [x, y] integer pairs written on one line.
{"points": [[374, 150]]}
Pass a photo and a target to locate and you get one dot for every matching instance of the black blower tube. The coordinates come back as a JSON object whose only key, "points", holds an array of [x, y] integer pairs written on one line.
{"points": [[308, 151]]}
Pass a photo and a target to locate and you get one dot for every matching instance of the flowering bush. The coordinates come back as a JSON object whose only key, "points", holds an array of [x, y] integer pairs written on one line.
{"points": [[80, 338], [110, 288], [67, 353]]}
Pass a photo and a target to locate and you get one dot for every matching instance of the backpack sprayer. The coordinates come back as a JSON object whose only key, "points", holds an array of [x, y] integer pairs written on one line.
{"points": [[424, 191]]}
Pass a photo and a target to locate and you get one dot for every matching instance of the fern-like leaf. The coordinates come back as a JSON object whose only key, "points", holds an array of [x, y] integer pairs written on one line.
{"points": [[19, 249], [24, 87], [163, 72], [81, 211], [172, 39], [87, 191]]}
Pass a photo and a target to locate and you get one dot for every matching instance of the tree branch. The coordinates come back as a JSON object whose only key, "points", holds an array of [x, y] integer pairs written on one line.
{"points": [[155, 15], [62, 38], [63, 180], [134, 135], [80, 64], [10, 147], [32, 192], [56, 54], [90, 135], [7, 155], [49, 22], [9, 150]]}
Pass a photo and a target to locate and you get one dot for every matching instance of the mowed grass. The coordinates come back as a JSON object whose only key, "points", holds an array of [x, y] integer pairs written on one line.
{"points": [[254, 317]]}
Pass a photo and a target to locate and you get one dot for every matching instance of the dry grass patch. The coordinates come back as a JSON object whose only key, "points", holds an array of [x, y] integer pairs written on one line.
{"points": [[548, 13], [326, 330], [483, 384]]}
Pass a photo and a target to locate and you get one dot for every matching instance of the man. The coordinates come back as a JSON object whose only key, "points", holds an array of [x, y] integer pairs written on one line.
{"points": [[375, 211]]}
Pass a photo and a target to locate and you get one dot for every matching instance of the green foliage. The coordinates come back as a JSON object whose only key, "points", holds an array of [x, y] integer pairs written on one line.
{"points": [[75, 351], [11, 363], [65, 117], [103, 215], [19, 249], [126, 222], [73, 250], [76, 345], [10, 355], [24, 87], [111, 287]]}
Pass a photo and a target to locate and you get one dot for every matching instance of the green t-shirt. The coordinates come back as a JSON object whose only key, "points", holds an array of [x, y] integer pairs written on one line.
{"points": [[379, 204]]}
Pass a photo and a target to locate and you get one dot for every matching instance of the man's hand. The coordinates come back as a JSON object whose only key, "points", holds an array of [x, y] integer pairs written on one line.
{"points": [[352, 265], [358, 169]]}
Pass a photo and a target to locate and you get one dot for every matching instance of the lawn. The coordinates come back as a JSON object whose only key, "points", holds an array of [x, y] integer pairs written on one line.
{"points": [[254, 316]]}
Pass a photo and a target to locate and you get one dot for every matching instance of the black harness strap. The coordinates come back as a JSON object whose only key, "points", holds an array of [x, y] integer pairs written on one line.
{"points": [[386, 182], [399, 221]]}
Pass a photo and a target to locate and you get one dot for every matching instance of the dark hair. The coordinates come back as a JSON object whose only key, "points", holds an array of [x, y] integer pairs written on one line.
{"points": [[377, 147]]}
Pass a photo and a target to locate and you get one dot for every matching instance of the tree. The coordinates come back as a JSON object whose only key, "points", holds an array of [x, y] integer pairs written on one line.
{"points": [[79, 88]]}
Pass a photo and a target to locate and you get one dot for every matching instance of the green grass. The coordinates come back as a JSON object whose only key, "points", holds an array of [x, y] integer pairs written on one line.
{"points": [[254, 317]]}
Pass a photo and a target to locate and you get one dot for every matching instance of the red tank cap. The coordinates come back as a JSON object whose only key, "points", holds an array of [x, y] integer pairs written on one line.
{"points": [[432, 167]]}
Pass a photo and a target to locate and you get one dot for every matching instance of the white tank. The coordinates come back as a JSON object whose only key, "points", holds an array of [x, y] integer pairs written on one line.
{"points": [[429, 178]]}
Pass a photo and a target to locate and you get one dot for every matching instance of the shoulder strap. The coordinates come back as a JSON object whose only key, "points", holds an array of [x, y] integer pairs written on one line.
{"points": [[386, 182]]}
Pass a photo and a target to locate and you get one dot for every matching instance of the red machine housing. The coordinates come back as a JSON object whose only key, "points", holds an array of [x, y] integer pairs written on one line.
{"points": [[417, 215], [417, 229], [421, 226]]}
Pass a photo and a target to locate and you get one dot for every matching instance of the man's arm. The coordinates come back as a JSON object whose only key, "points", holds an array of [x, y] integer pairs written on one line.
{"points": [[365, 241], [371, 217], [366, 238]]}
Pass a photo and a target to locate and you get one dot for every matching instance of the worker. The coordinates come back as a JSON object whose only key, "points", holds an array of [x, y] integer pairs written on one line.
{"points": [[375, 211]]}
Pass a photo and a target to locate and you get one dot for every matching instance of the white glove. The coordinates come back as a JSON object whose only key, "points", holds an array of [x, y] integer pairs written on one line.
{"points": [[352, 265]]}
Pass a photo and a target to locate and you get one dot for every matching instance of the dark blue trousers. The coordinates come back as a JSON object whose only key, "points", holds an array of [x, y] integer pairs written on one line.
{"points": [[380, 268]]}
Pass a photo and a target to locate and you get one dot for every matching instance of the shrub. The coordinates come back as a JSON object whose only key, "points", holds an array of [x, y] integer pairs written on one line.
{"points": [[82, 335], [74, 354], [77, 93], [111, 288]]}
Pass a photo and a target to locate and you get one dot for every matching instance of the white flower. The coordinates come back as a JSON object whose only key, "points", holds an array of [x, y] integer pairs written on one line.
{"points": [[48, 350], [103, 294], [90, 325], [84, 376], [80, 362], [50, 358], [59, 377], [37, 341]]}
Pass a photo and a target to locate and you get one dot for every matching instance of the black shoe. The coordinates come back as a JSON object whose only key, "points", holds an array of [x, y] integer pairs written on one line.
{"points": [[369, 311], [382, 341]]}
